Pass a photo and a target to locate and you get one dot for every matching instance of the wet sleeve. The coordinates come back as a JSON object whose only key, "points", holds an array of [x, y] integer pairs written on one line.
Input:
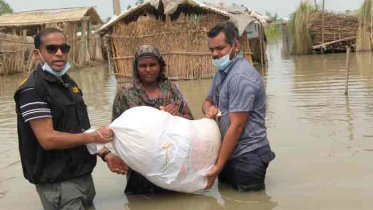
{"points": [[242, 91], [32, 106]]}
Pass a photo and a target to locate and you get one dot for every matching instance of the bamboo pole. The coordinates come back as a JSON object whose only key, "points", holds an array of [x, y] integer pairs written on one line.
{"points": [[322, 27], [261, 45], [371, 25], [347, 68]]}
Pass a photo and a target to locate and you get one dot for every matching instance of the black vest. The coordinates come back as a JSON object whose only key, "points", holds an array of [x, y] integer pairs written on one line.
{"points": [[69, 114]]}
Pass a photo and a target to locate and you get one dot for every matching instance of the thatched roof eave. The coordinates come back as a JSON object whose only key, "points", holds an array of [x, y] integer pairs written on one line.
{"points": [[41, 17], [155, 3]]}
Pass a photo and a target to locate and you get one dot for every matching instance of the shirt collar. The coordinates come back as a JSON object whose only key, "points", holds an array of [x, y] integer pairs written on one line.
{"points": [[235, 59]]}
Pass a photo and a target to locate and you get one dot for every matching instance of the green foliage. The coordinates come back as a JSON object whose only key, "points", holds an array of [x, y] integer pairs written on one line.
{"points": [[129, 7], [273, 31], [5, 8]]}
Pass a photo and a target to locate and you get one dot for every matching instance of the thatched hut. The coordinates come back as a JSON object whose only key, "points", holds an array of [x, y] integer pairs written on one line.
{"points": [[365, 34], [311, 30], [73, 21], [178, 28], [15, 53]]}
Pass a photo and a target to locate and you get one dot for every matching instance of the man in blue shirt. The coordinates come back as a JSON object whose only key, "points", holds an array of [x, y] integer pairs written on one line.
{"points": [[237, 98]]}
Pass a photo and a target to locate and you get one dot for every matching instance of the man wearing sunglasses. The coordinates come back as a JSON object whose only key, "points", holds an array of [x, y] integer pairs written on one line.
{"points": [[52, 118]]}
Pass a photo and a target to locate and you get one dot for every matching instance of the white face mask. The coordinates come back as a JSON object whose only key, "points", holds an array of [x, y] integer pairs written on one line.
{"points": [[223, 62], [49, 69]]}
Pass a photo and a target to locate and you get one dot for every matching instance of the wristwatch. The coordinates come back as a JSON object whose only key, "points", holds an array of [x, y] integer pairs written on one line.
{"points": [[107, 151]]}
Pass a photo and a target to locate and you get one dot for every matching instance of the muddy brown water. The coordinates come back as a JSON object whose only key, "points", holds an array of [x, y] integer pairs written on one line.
{"points": [[323, 139]]}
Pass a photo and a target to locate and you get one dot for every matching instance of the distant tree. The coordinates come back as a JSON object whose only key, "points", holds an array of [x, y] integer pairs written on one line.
{"points": [[129, 7], [273, 17], [5, 8], [138, 2]]}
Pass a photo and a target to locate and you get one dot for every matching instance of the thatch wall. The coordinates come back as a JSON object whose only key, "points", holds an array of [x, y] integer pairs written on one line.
{"points": [[16, 54], [365, 34], [84, 48], [307, 31], [182, 41]]}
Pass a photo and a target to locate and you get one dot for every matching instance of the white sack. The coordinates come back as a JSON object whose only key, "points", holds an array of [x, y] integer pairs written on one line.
{"points": [[171, 152]]}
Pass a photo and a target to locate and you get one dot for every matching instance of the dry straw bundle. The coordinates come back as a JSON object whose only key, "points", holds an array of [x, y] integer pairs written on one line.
{"points": [[365, 34], [298, 30], [16, 54], [182, 41]]}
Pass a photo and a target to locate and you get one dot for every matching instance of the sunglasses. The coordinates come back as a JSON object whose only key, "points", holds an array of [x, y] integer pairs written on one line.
{"points": [[53, 48]]}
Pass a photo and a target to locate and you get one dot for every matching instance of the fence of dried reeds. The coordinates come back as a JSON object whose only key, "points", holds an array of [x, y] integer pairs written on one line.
{"points": [[337, 26], [16, 54], [310, 27], [365, 34], [183, 43]]}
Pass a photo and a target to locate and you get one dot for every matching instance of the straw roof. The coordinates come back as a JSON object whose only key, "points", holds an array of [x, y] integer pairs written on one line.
{"points": [[40, 17], [240, 17]]}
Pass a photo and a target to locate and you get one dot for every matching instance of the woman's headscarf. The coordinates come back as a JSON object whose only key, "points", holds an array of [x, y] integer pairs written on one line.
{"points": [[133, 94], [149, 51]]}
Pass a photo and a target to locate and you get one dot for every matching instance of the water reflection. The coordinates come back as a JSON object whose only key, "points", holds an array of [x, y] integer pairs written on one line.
{"points": [[231, 199]]}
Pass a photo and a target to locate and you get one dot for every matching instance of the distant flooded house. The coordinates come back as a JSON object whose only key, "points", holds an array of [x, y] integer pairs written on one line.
{"points": [[77, 24], [179, 29]]}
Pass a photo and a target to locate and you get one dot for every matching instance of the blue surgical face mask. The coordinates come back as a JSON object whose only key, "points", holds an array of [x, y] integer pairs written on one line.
{"points": [[49, 69], [223, 62]]}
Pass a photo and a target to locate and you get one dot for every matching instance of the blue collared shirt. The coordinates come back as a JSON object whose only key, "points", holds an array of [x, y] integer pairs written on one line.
{"points": [[240, 88]]}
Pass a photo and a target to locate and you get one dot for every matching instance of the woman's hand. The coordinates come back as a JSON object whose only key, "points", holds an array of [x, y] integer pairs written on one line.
{"points": [[171, 108]]}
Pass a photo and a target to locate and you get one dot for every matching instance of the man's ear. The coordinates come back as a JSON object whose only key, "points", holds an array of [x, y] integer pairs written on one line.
{"points": [[237, 45], [37, 55]]}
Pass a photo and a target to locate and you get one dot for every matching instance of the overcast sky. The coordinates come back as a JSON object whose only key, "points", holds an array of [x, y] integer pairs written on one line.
{"points": [[105, 7]]}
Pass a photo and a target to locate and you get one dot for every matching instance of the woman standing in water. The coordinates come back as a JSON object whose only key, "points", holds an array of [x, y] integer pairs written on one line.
{"points": [[149, 87]]}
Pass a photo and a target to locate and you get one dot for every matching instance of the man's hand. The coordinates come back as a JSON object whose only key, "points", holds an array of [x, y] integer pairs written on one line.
{"points": [[116, 164], [211, 176], [171, 108], [103, 135], [212, 112]]}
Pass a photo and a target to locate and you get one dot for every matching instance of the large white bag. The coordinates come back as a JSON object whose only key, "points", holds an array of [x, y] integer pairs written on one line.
{"points": [[171, 152]]}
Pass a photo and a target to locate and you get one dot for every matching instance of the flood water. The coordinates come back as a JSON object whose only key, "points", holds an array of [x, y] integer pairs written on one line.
{"points": [[323, 139]]}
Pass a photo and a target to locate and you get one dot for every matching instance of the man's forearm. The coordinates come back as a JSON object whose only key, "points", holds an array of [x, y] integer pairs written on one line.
{"points": [[61, 140], [228, 145]]}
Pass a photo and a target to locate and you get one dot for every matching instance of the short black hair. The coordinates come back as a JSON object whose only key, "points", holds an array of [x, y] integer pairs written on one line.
{"points": [[228, 28], [45, 32]]}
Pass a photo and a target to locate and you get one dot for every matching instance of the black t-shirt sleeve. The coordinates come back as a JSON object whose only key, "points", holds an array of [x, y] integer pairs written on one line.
{"points": [[32, 106]]}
